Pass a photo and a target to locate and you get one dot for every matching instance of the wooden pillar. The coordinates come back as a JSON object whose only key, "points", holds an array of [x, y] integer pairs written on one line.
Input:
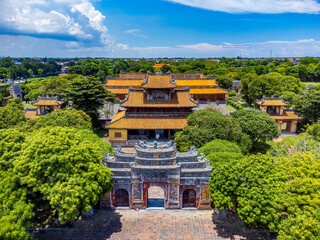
{"points": [[293, 127], [280, 125]]}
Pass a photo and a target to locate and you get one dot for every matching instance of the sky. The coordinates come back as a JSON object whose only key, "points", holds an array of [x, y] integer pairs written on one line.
{"points": [[159, 28]]}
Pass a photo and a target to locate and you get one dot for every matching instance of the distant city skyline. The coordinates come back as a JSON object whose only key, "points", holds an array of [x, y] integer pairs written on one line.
{"points": [[160, 28]]}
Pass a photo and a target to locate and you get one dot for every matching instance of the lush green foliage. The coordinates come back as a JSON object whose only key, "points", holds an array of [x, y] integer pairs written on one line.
{"points": [[279, 190], [257, 124], [87, 94], [221, 150], [12, 114], [314, 130], [224, 81], [62, 118], [49, 173], [309, 105], [205, 126]]}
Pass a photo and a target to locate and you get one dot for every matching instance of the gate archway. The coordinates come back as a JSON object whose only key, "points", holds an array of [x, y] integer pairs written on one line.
{"points": [[121, 198], [189, 198], [155, 197]]}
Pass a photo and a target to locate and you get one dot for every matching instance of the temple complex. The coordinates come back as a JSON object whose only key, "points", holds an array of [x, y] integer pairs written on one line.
{"points": [[286, 119], [156, 109], [44, 105], [183, 178], [202, 89]]}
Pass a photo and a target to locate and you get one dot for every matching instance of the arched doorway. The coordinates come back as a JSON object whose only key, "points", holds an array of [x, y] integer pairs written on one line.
{"points": [[121, 198], [189, 198], [155, 197]]}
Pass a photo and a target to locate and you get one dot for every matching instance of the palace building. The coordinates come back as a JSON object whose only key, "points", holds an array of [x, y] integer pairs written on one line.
{"points": [[286, 119], [202, 89], [156, 109], [44, 105], [181, 180]]}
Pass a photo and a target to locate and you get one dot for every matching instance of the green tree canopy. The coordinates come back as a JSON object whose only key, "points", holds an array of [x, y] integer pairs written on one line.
{"points": [[309, 105], [12, 114], [49, 173], [87, 94], [62, 118], [207, 125], [257, 124], [224, 81]]}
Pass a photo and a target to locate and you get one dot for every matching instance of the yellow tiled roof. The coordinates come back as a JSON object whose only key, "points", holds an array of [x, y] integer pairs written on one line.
{"points": [[276, 102], [123, 83], [47, 102], [196, 83], [133, 75], [288, 115], [155, 81], [207, 91], [30, 114], [186, 75], [139, 99], [118, 90], [118, 116], [130, 122]]}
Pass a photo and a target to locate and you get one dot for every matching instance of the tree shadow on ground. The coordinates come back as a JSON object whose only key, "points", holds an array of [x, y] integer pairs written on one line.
{"points": [[102, 226], [233, 228]]}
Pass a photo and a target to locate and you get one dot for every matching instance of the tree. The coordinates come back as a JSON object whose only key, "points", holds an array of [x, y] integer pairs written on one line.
{"points": [[121, 65], [165, 68], [63, 118], [257, 124], [314, 130], [55, 86], [40, 71], [30, 72], [101, 75], [221, 150], [12, 114], [309, 105], [224, 81], [207, 125], [87, 94]]}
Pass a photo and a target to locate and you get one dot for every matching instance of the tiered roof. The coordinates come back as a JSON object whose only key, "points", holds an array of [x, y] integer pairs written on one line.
{"points": [[138, 98], [48, 101], [158, 82], [272, 101]]}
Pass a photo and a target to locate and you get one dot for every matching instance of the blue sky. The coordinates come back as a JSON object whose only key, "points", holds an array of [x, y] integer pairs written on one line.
{"points": [[159, 28]]}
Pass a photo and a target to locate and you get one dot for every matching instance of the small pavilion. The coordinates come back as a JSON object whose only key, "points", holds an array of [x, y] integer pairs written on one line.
{"points": [[44, 105], [286, 119]]}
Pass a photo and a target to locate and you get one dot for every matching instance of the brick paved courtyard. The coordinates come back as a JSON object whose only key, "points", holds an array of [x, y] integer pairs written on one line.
{"points": [[154, 224]]}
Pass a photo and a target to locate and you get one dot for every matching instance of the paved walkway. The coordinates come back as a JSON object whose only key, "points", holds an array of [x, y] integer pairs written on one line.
{"points": [[154, 224]]}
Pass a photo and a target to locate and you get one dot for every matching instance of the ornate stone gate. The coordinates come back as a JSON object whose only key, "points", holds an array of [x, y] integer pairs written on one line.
{"points": [[159, 165]]}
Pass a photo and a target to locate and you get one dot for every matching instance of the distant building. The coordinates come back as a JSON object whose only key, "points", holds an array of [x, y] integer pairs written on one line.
{"points": [[16, 91], [44, 105], [286, 119], [160, 65]]}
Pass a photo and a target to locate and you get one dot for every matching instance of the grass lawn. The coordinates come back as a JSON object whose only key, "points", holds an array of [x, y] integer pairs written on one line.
{"points": [[29, 105], [229, 108]]}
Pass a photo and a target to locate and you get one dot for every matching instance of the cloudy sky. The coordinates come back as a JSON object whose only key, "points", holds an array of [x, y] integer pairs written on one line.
{"points": [[159, 28]]}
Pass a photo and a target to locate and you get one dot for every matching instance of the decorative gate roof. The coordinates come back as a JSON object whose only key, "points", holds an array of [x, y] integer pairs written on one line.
{"points": [[161, 164]]}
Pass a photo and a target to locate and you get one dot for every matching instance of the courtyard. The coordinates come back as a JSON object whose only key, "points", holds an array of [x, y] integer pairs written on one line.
{"points": [[155, 224]]}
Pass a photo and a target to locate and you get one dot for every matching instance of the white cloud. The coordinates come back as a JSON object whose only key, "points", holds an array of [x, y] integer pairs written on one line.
{"points": [[136, 32], [255, 6], [55, 17]]}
